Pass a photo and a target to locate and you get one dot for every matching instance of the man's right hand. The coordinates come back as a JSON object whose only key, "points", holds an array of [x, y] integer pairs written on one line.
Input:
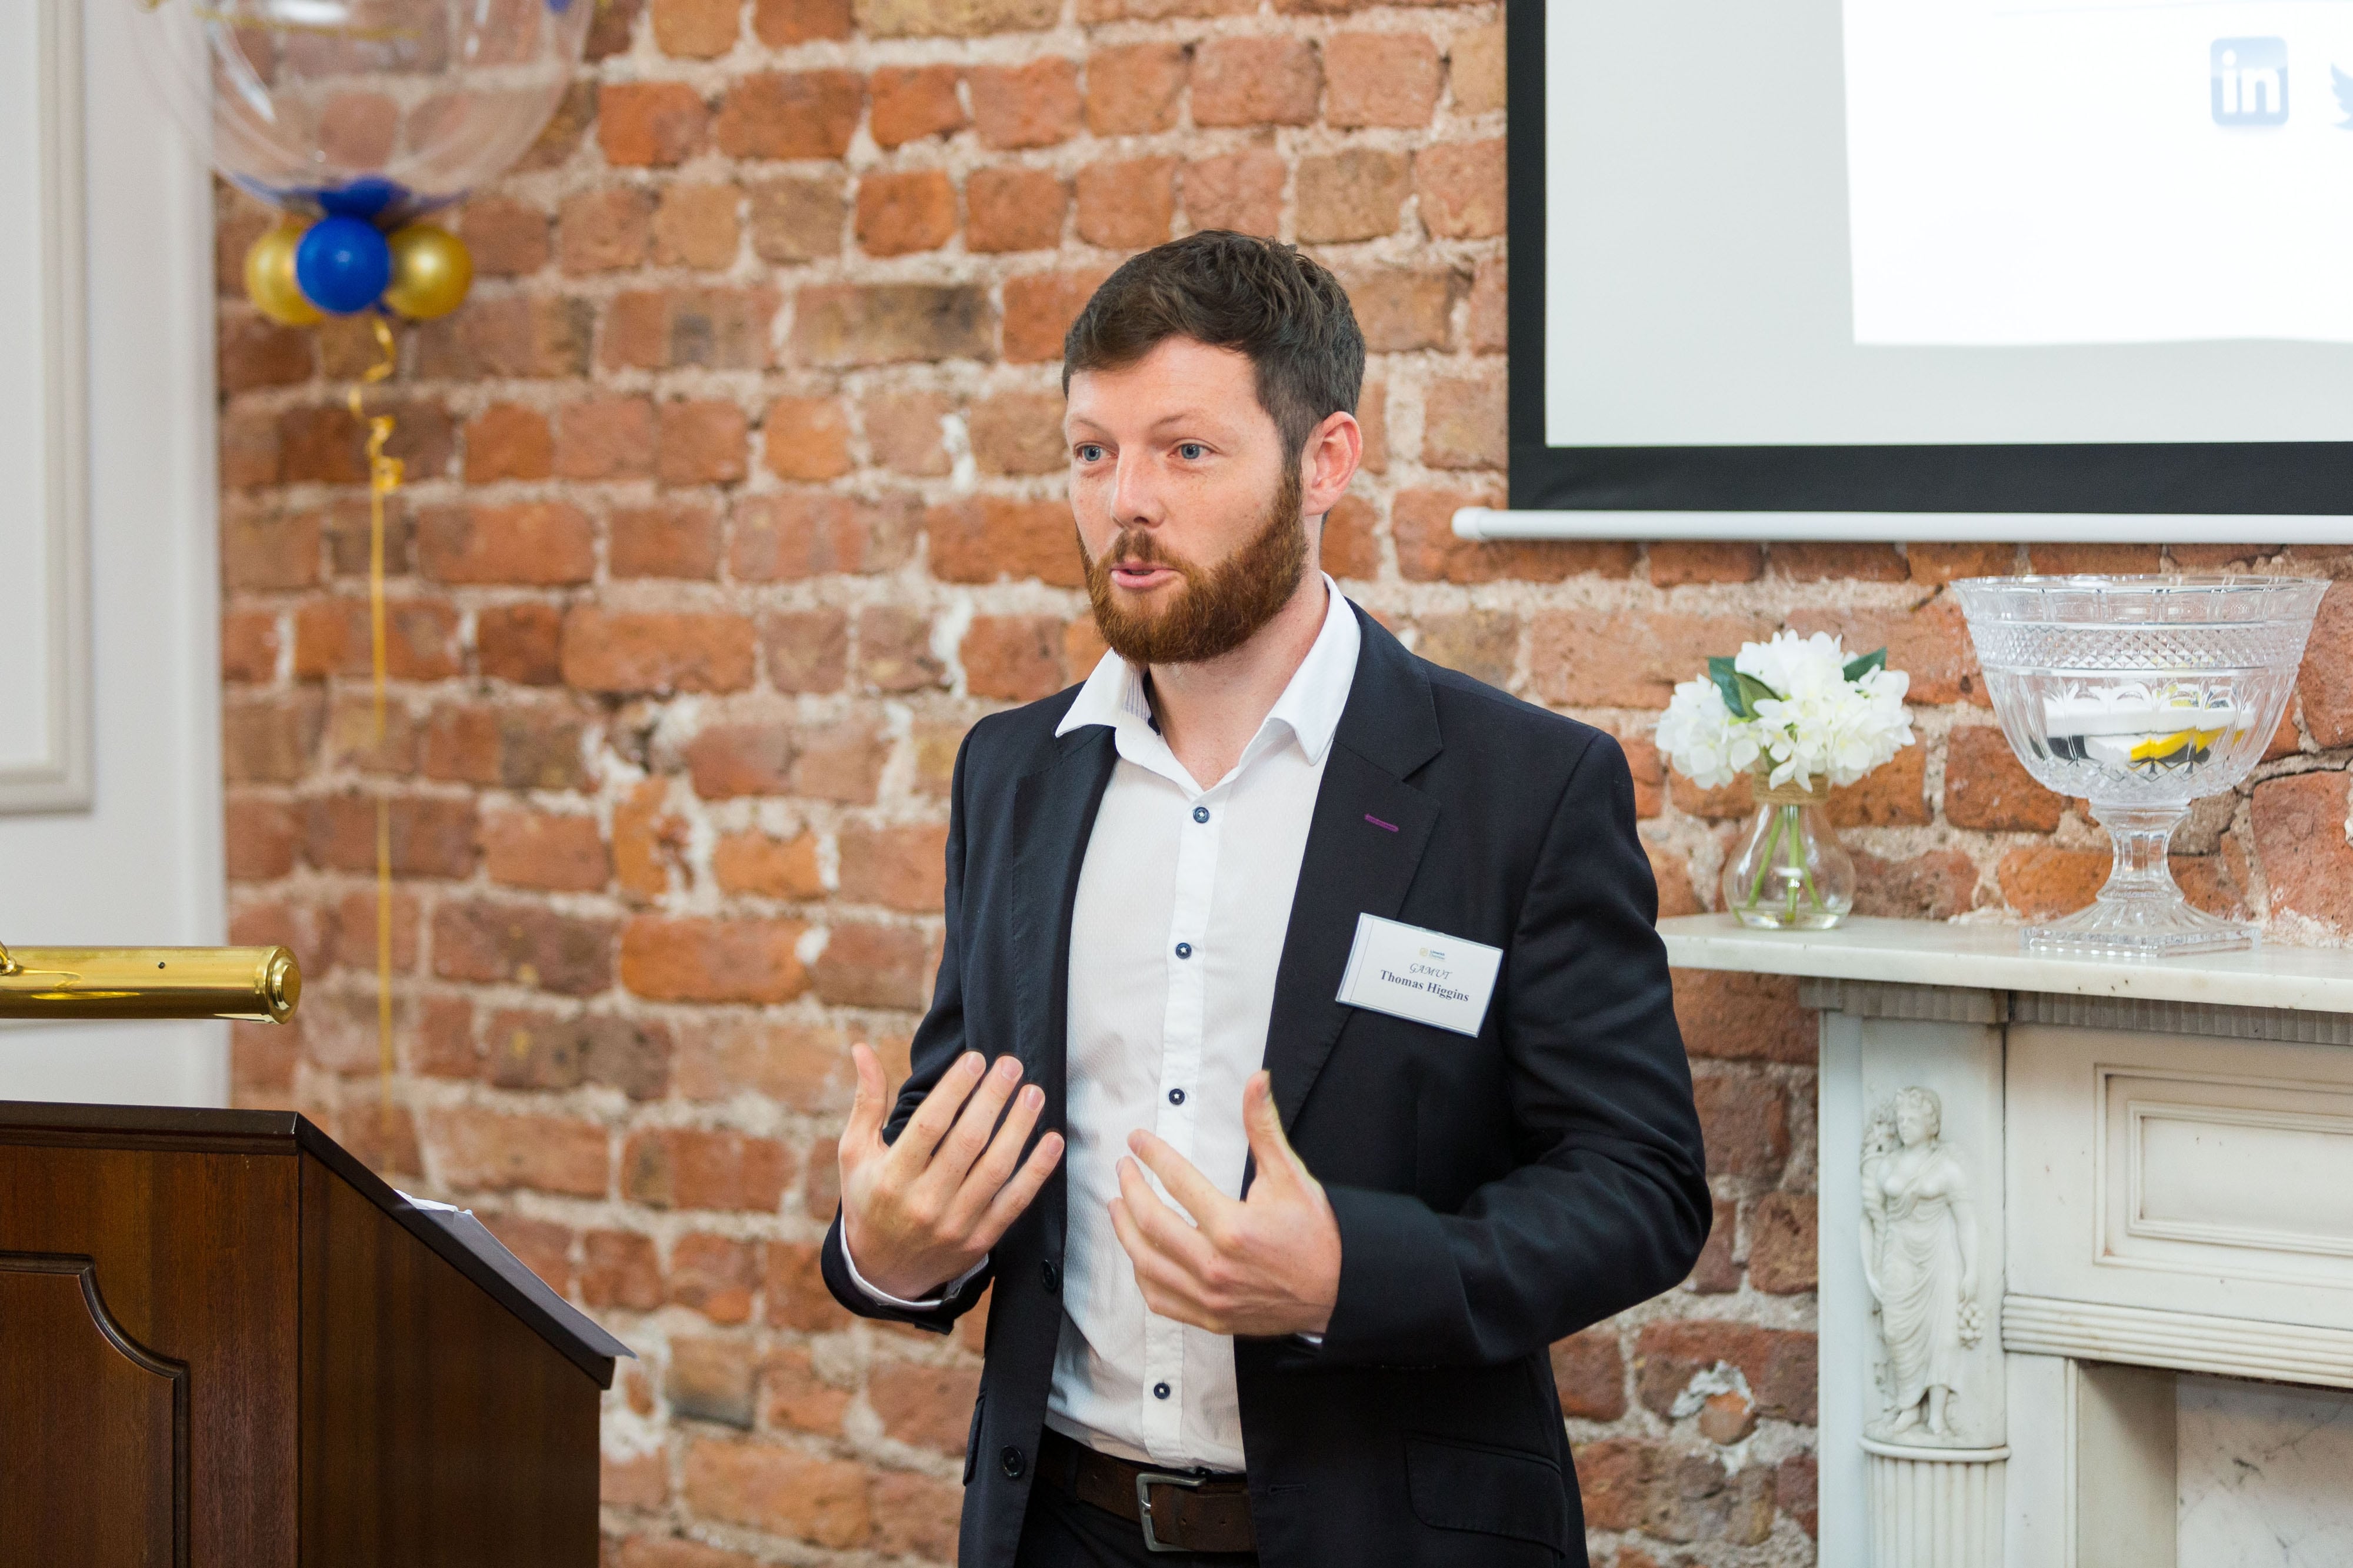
{"points": [[920, 1212]]}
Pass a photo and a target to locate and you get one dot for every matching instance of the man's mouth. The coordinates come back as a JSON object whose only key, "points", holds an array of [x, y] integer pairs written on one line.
{"points": [[1142, 576]]}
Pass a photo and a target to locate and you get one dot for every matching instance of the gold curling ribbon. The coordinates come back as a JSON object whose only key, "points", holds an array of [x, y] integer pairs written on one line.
{"points": [[1794, 793], [384, 477]]}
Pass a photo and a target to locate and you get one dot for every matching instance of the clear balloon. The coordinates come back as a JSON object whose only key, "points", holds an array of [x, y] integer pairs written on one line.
{"points": [[381, 109]]}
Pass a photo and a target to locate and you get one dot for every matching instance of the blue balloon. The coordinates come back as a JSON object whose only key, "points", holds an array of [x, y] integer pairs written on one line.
{"points": [[342, 265]]}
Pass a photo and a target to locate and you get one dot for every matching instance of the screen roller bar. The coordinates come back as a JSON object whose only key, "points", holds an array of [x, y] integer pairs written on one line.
{"points": [[1495, 524]]}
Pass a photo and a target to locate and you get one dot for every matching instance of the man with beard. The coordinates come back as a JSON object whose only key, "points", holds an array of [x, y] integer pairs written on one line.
{"points": [[1332, 972]]}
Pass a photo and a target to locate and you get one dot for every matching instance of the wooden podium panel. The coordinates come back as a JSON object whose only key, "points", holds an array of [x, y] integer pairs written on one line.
{"points": [[224, 1343]]}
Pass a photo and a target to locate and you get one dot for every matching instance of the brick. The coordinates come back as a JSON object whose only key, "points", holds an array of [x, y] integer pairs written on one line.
{"points": [[1474, 67], [2214, 557], [270, 740], [696, 226], [1348, 547], [703, 959], [1082, 649], [1013, 658], [685, 1168], [791, 1394], [1461, 189], [1482, 644], [603, 231], [1936, 564], [331, 638], [566, 129], [541, 543], [904, 429], [1649, 770], [781, 24], [989, 536], [1733, 1016], [674, 538], [2042, 880], [430, 836], [1239, 191], [802, 115], [649, 123], [866, 965], [262, 837], [929, 1406], [251, 350], [2324, 686], [900, 212], [1400, 310], [894, 649], [1133, 89], [695, 29], [328, 447], [605, 438], [1032, 105], [1379, 78], [1746, 1123], [1818, 561], [2062, 560], [1936, 886], [261, 1062], [1891, 796], [954, 18], [911, 103], [516, 745], [795, 534], [249, 645], [779, 1491], [677, 329], [621, 650], [798, 218], [901, 867], [916, 1515], [1590, 1373], [1038, 309], [531, 1050], [1356, 194], [1490, 315], [263, 553], [710, 1379], [507, 441], [1255, 81], [1986, 787], [1930, 643], [523, 336], [483, 1150], [248, 453], [715, 1276], [808, 650], [1781, 1364], [620, 1269], [768, 867], [1127, 205], [2300, 836], [801, 1065], [546, 850], [521, 943], [642, 1481], [700, 441], [1463, 422], [1716, 1273], [1421, 522], [841, 325], [1014, 209], [348, 532], [1019, 433], [648, 841], [841, 761], [1782, 1244], [521, 643], [728, 760]]}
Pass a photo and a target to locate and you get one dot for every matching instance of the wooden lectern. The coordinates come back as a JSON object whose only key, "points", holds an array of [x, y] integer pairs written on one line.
{"points": [[224, 1343]]}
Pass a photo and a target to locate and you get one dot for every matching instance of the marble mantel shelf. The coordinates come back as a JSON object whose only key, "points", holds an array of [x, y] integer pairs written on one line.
{"points": [[1989, 958]]}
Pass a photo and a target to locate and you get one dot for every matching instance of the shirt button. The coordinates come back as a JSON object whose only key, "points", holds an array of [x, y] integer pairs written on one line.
{"points": [[1176, 1097], [1049, 1276], [1200, 814], [1184, 950], [1159, 1391], [1009, 1462]]}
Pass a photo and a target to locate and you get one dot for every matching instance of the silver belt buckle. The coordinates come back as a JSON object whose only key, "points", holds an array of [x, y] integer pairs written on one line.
{"points": [[1144, 1481]]}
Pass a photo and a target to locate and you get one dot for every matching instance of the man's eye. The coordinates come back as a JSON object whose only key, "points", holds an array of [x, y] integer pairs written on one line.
{"points": [[1088, 454], [1191, 451]]}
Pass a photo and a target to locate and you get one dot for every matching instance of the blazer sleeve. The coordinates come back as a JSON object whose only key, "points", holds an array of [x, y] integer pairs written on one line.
{"points": [[939, 1041], [1608, 1204]]}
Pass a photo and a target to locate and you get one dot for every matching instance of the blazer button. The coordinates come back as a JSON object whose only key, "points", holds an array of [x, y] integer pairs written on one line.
{"points": [[1049, 1276], [1010, 1461]]}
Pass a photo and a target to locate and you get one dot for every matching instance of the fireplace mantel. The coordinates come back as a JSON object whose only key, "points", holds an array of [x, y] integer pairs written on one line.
{"points": [[2048, 1187]]}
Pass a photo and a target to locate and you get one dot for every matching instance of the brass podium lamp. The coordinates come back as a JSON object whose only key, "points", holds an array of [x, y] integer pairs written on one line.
{"points": [[261, 984]]}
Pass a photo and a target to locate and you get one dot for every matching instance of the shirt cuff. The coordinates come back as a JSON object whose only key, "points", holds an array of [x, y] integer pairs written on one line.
{"points": [[886, 1298]]}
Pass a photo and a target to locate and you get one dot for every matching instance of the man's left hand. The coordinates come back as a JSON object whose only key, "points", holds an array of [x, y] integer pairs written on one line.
{"points": [[1265, 1266]]}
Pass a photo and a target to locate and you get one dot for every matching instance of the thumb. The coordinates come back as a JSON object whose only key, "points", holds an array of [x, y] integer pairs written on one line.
{"points": [[864, 1128], [1263, 1124]]}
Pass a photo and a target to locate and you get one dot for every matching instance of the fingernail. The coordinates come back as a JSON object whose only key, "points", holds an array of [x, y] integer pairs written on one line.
{"points": [[1033, 1096], [1009, 1067], [974, 1059]]}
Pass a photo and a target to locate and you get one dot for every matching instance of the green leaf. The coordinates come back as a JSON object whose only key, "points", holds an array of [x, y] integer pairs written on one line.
{"points": [[1856, 669], [1728, 680], [1755, 691]]}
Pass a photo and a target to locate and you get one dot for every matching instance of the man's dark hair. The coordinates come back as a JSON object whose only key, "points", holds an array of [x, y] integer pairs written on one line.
{"points": [[1228, 290]]}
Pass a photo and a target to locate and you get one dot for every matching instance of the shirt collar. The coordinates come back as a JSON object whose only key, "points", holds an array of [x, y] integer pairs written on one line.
{"points": [[1310, 706]]}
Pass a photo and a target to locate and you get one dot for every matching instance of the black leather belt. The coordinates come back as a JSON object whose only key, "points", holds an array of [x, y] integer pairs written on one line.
{"points": [[1181, 1511]]}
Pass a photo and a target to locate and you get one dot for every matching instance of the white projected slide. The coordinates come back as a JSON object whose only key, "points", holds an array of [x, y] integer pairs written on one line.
{"points": [[2051, 172]]}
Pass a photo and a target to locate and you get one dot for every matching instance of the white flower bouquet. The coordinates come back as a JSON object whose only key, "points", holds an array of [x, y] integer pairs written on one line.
{"points": [[1802, 717]]}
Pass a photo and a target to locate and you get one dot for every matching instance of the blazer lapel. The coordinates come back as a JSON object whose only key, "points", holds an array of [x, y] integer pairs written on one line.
{"points": [[1364, 842], [1053, 814]]}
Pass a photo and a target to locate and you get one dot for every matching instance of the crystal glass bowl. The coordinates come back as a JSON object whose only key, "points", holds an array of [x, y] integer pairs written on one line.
{"points": [[2140, 694]]}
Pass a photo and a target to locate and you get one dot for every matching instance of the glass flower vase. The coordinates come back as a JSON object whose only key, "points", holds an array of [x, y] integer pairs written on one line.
{"points": [[1789, 871]]}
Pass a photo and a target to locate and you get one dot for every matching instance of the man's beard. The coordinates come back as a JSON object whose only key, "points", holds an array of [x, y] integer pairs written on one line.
{"points": [[1217, 610]]}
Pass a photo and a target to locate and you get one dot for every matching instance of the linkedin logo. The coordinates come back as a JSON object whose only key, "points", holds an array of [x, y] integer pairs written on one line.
{"points": [[2250, 81]]}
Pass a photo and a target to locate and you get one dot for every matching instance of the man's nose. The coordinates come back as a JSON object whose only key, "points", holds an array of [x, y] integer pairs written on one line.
{"points": [[1135, 496]]}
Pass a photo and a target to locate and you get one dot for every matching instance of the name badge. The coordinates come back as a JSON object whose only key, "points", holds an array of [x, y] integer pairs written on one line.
{"points": [[1424, 975]]}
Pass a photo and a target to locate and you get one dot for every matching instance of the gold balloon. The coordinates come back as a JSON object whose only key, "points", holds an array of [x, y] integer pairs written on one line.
{"points": [[269, 278], [431, 271]]}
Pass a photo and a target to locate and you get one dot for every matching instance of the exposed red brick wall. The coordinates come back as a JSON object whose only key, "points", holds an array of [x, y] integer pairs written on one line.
{"points": [[734, 498]]}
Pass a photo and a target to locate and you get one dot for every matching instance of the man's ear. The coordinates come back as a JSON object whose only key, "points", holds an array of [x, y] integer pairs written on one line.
{"points": [[1333, 452]]}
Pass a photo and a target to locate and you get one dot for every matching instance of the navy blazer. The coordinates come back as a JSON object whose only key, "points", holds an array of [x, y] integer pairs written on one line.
{"points": [[1493, 1194]]}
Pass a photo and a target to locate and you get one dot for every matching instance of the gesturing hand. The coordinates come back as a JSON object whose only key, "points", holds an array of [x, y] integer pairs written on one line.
{"points": [[1269, 1264], [919, 1211]]}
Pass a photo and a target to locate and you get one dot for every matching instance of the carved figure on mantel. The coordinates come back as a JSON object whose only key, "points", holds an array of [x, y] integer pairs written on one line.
{"points": [[1920, 1259]]}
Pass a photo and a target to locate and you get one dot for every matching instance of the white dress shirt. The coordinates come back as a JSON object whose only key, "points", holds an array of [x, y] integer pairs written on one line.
{"points": [[1183, 904]]}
